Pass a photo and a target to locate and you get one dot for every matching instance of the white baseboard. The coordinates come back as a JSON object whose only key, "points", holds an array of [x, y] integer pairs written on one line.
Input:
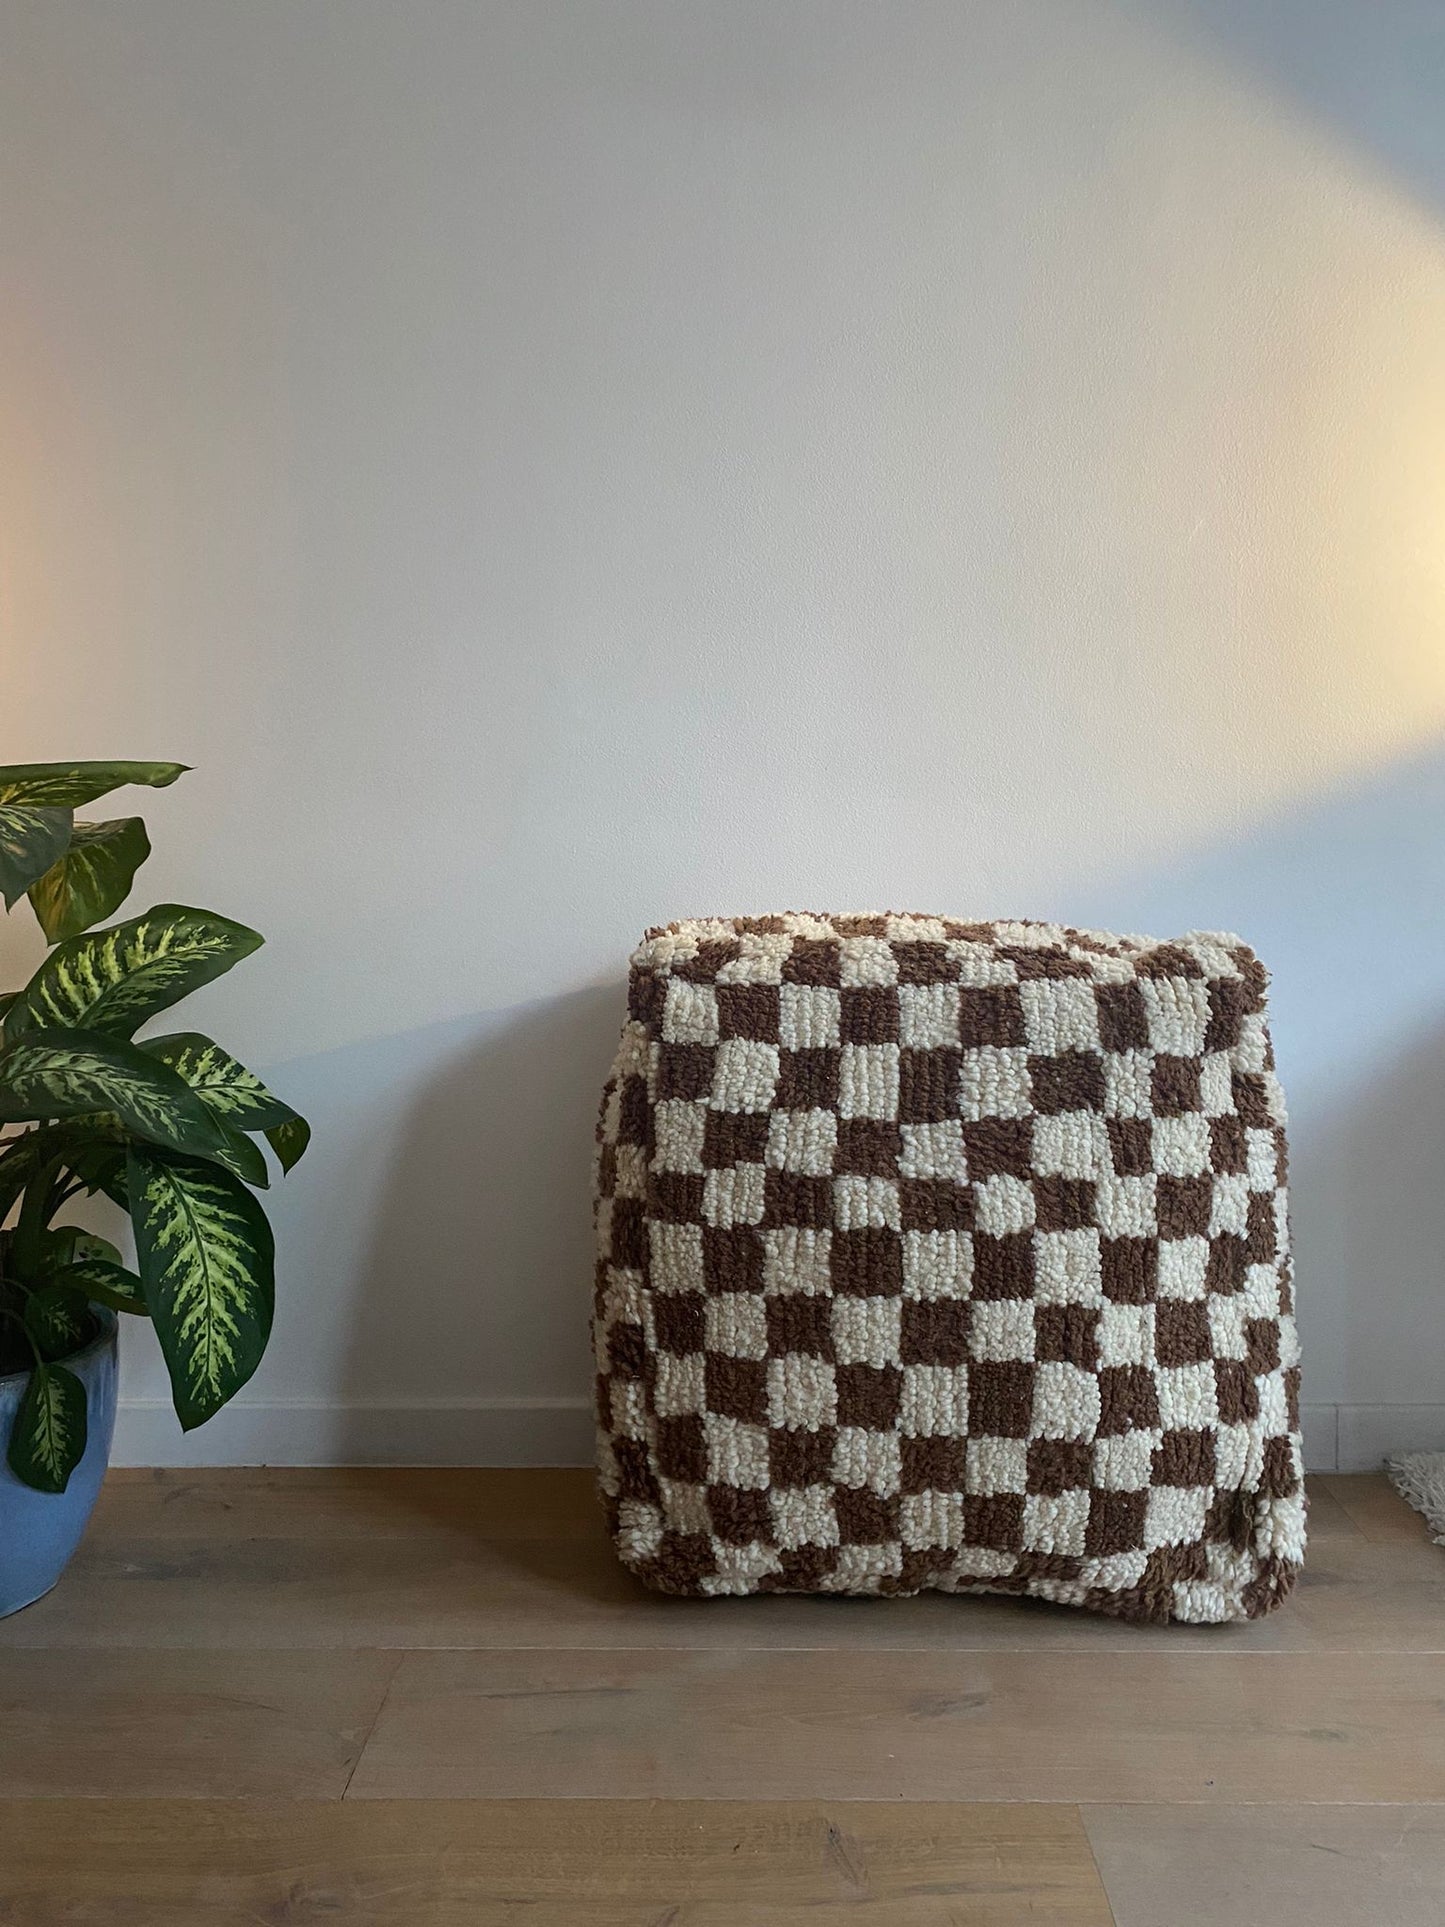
{"points": [[1320, 1426], [1371, 1433], [484, 1431], [1359, 1438], [558, 1431]]}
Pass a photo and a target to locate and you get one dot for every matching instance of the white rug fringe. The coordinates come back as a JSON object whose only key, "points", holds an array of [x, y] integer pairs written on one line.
{"points": [[1419, 1478]]}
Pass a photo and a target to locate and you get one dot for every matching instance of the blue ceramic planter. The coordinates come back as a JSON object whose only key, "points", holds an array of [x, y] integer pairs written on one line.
{"points": [[39, 1531]]}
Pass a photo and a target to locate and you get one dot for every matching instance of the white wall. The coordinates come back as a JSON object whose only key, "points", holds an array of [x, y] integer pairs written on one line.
{"points": [[555, 467]]}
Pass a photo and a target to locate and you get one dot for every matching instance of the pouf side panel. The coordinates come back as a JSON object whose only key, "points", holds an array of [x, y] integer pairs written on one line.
{"points": [[730, 1403]]}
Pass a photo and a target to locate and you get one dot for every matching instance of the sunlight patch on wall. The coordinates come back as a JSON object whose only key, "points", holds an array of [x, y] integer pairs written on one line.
{"points": [[1228, 405]]}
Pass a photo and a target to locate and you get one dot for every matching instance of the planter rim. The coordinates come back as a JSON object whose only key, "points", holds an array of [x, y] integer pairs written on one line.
{"points": [[108, 1326]]}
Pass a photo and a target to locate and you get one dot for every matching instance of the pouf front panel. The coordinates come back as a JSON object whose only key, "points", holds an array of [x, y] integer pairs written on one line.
{"points": [[952, 1255]]}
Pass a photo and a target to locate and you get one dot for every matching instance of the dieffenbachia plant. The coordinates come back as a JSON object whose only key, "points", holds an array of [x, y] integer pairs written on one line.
{"points": [[164, 1126]]}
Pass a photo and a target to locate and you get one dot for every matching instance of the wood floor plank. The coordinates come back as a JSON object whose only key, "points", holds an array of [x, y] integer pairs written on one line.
{"points": [[1328, 1519], [449, 1591], [347, 1502], [471, 1502], [1034, 1726], [1292, 1866], [1362, 1596], [1375, 1506], [183, 1724], [552, 1863]]}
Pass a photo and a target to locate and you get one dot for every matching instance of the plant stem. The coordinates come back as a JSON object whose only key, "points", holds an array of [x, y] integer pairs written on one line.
{"points": [[36, 1206]]}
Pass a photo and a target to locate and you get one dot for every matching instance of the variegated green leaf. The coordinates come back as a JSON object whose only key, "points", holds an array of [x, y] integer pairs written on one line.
{"points": [[88, 1145], [56, 1247], [20, 1160], [75, 783], [289, 1141], [67, 1073], [89, 1244], [23, 1156], [113, 980], [207, 1266], [93, 878], [57, 1321], [63, 1244], [47, 1440], [100, 1166], [105, 1283], [229, 1089], [235, 1097], [242, 1155], [32, 838]]}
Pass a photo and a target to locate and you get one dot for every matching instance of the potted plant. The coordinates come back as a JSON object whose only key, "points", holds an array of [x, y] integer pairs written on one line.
{"points": [[164, 1126]]}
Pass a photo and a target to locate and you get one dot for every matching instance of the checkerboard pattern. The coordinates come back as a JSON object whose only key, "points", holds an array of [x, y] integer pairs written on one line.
{"points": [[954, 1255]]}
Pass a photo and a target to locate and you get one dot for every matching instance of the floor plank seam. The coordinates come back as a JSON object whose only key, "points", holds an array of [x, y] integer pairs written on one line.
{"points": [[1235, 1803], [672, 1650], [1104, 1893], [375, 1719]]}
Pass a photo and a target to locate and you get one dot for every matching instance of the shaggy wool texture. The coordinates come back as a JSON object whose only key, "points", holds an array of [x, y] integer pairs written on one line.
{"points": [[954, 1255], [1419, 1478]]}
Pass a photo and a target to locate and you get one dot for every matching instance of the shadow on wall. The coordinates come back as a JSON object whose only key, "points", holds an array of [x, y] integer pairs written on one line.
{"points": [[484, 1226], [1344, 898], [438, 1240], [1374, 74]]}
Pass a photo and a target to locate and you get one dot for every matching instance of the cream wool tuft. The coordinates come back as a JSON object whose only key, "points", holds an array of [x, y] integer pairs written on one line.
{"points": [[1419, 1478]]}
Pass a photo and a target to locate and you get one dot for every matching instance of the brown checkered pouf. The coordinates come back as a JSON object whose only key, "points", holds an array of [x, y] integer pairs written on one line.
{"points": [[948, 1254]]}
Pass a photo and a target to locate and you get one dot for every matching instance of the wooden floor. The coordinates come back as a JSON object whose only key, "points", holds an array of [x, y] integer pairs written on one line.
{"points": [[400, 1699]]}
